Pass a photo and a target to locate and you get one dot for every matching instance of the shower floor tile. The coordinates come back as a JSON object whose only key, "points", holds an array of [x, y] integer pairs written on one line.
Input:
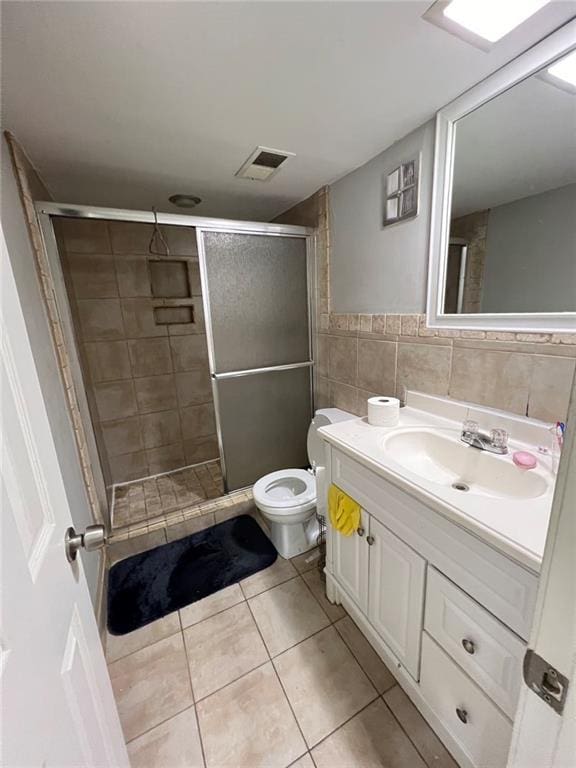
{"points": [[152, 497]]}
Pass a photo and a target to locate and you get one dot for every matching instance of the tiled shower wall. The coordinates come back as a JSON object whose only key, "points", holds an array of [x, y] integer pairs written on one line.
{"points": [[148, 385], [473, 227], [313, 213]]}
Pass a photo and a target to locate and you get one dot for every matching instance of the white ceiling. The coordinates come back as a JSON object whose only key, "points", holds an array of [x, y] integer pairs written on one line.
{"points": [[125, 103], [519, 144]]}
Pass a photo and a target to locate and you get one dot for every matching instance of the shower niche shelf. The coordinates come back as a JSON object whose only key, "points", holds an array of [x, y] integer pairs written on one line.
{"points": [[171, 291], [169, 278], [174, 315]]}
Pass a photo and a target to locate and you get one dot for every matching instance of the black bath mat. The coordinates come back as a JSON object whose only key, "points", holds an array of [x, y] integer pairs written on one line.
{"points": [[146, 587]]}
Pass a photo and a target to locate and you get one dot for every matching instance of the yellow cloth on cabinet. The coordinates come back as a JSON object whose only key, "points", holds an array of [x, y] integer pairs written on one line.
{"points": [[344, 512]]}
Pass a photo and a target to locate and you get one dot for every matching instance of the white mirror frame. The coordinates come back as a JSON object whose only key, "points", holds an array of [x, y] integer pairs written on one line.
{"points": [[540, 56]]}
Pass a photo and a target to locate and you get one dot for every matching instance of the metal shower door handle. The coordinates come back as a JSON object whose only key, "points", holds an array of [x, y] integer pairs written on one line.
{"points": [[94, 537]]}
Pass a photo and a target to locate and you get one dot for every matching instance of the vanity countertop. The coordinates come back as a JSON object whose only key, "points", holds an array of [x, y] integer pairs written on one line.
{"points": [[515, 526]]}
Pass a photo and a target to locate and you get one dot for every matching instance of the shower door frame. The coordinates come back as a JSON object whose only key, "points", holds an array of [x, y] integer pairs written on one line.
{"points": [[46, 211], [274, 230]]}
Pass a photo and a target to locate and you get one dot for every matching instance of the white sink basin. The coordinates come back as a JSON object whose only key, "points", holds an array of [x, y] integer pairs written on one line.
{"points": [[445, 460]]}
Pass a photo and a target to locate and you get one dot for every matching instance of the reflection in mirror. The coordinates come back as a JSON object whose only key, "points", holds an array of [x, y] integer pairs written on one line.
{"points": [[512, 246]]}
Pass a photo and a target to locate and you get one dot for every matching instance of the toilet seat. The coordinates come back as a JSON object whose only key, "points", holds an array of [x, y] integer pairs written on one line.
{"points": [[285, 489], [286, 499]]}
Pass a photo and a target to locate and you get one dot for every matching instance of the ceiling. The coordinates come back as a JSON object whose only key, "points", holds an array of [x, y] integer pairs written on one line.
{"points": [[125, 103], [519, 144]]}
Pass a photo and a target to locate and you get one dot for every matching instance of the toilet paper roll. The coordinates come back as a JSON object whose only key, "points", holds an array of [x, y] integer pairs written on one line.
{"points": [[383, 411]]}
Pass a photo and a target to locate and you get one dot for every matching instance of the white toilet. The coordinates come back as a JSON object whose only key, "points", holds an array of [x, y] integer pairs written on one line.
{"points": [[287, 498]]}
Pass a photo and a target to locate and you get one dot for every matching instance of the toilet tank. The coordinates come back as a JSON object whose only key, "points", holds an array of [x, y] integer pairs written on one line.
{"points": [[322, 418]]}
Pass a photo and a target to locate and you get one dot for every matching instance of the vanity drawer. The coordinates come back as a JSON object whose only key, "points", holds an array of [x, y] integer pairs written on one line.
{"points": [[505, 588], [473, 720], [487, 650]]}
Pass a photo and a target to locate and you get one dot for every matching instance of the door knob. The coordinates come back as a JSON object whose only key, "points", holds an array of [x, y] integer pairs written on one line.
{"points": [[469, 646], [94, 537], [462, 714], [360, 531], [370, 540]]}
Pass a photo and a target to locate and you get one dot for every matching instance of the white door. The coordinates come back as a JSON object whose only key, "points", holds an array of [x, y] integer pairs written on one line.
{"points": [[57, 704], [351, 562], [396, 601], [542, 737]]}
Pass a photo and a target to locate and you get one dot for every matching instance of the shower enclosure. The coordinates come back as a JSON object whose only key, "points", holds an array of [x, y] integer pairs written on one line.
{"points": [[193, 365], [257, 309]]}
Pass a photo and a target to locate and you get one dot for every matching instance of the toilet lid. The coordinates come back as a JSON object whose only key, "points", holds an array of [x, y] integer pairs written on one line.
{"points": [[285, 488]]}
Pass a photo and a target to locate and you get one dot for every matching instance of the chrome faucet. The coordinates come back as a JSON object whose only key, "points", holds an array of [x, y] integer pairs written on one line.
{"points": [[494, 442]]}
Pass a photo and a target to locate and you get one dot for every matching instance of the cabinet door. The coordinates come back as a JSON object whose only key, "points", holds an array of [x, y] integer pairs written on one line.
{"points": [[396, 599], [351, 562]]}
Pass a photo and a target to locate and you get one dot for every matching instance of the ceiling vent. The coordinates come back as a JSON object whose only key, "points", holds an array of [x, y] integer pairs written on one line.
{"points": [[263, 163]]}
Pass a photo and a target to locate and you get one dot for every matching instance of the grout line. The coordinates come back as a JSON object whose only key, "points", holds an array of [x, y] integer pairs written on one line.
{"points": [[231, 682], [407, 733], [161, 722], [300, 758], [288, 578], [304, 639], [217, 613], [309, 588], [272, 659], [269, 660], [354, 654], [162, 474], [338, 727], [200, 739], [180, 506], [280, 682], [144, 647]]}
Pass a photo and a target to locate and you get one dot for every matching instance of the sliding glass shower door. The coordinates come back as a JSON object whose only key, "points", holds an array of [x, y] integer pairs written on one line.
{"points": [[257, 320]]}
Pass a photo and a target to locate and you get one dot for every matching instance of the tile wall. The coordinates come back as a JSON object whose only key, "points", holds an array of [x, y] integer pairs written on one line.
{"points": [[473, 227], [31, 189], [361, 355], [148, 384]]}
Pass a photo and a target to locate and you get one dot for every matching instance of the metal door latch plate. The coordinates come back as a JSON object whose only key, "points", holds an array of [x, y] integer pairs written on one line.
{"points": [[545, 681]]}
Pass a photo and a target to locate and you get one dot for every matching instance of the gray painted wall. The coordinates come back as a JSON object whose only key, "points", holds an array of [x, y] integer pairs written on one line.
{"points": [[530, 263], [23, 264], [373, 268]]}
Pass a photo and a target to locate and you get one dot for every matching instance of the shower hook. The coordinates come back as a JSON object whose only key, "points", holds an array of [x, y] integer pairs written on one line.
{"points": [[157, 234]]}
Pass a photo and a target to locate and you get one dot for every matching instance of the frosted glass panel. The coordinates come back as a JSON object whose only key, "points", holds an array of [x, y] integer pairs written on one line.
{"points": [[264, 421], [257, 286]]}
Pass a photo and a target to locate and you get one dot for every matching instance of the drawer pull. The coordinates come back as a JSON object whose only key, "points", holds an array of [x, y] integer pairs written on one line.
{"points": [[370, 540], [469, 646], [360, 531], [462, 714]]}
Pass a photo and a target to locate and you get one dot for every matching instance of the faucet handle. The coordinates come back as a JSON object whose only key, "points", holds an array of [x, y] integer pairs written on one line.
{"points": [[499, 438], [470, 427]]}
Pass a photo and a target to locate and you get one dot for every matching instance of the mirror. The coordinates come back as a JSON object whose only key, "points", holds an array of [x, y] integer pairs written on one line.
{"points": [[504, 255], [512, 237]]}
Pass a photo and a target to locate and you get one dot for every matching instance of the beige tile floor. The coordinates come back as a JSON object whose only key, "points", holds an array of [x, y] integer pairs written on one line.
{"points": [[154, 496], [264, 674]]}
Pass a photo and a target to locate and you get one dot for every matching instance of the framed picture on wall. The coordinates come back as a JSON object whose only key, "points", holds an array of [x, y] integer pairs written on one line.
{"points": [[401, 188]]}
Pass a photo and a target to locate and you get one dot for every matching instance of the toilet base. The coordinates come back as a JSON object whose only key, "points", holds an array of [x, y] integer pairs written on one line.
{"points": [[294, 539]]}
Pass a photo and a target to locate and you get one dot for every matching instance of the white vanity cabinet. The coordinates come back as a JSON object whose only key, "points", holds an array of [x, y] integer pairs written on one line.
{"points": [[448, 613], [350, 560], [396, 594], [386, 580]]}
